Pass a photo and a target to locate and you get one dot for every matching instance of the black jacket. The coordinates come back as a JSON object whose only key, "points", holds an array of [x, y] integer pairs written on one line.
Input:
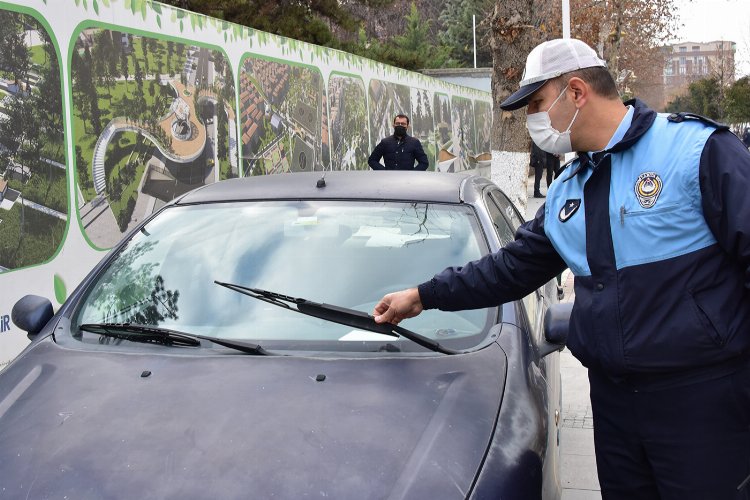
{"points": [[681, 318], [398, 154], [542, 159]]}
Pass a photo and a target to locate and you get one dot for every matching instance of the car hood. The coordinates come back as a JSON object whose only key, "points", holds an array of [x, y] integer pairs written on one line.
{"points": [[90, 425]]}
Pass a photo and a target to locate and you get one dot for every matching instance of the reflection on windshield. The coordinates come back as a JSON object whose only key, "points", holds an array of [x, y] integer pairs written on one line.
{"points": [[344, 253]]}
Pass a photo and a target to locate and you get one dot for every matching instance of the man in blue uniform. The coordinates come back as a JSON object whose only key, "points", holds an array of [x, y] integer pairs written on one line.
{"points": [[653, 219], [399, 151]]}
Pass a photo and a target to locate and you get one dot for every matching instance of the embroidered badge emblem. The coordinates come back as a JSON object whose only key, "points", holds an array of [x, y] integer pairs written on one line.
{"points": [[567, 211], [647, 188]]}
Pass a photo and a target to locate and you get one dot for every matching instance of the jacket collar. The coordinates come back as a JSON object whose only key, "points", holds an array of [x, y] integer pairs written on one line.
{"points": [[643, 118]]}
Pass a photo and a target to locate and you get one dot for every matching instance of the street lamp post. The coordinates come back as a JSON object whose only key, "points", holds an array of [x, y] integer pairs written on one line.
{"points": [[474, 34]]}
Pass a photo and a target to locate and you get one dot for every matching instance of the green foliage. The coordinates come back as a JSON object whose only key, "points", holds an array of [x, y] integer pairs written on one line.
{"points": [[28, 237], [410, 51], [737, 103], [705, 97], [123, 218], [306, 20], [61, 291], [14, 55], [82, 167], [47, 187], [416, 46], [312, 21], [456, 17]]}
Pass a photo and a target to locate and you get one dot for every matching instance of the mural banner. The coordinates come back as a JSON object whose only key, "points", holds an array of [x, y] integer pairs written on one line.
{"points": [[109, 109]]}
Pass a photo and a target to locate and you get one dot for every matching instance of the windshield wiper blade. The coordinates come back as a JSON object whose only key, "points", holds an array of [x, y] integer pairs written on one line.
{"points": [[164, 336], [336, 314]]}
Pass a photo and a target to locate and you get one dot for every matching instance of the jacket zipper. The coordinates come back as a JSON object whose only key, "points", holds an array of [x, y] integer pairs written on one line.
{"points": [[624, 212]]}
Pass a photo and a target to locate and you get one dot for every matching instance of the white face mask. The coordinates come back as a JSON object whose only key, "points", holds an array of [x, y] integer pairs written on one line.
{"points": [[545, 135]]}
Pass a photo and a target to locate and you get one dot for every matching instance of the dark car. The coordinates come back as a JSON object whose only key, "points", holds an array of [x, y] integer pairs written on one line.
{"points": [[224, 349]]}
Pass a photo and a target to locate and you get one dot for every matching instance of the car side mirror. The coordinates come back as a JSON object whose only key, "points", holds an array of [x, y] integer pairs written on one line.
{"points": [[31, 313], [556, 324]]}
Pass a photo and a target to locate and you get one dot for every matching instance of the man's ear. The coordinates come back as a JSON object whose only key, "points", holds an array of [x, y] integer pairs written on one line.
{"points": [[581, 91]]}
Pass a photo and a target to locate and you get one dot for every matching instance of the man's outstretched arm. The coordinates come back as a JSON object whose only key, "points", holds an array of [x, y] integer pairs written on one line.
{"points": [[508, 274]]}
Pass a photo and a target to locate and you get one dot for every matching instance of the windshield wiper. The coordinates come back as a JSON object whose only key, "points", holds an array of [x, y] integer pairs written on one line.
{"points": [[164, 336], [336, 314]]}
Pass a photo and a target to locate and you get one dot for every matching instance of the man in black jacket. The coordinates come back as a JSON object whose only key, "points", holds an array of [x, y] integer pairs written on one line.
{"points": [[541, 161], [399, 151]]}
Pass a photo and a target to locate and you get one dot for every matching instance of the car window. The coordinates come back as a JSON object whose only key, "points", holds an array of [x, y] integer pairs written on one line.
{"points": [[502, 228], [348, 254], [506, 207], [502, 220]]}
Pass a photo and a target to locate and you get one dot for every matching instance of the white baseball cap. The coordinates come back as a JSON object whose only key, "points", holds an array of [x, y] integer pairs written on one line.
{"points": [[549, 60]]}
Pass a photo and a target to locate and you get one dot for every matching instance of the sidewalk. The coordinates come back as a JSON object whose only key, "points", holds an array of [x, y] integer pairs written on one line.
{"points": [[578, 464]]}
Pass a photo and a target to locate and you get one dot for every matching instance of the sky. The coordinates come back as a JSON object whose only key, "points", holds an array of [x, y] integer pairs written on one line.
{"points": [[709, 20]]}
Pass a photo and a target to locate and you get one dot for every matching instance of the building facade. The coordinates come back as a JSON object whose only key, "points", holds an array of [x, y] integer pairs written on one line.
{"points": [[687, 62]]}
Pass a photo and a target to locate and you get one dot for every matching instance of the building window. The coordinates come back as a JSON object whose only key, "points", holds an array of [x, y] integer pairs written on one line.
{"points": [[683, 49], [696, 48]]}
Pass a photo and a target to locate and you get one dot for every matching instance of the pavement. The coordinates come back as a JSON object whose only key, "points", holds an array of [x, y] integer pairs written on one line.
{"points": [[578, 464]]}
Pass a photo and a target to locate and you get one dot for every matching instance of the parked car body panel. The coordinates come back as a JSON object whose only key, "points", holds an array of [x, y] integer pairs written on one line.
{"points": [[114, 420], [88, 424]]}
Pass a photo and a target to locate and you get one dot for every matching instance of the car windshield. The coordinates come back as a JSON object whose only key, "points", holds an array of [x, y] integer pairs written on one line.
{"points": [[347, 254]]}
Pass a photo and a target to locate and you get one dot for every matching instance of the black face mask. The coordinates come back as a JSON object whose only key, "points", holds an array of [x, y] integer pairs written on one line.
{"points": [[399, 131]]}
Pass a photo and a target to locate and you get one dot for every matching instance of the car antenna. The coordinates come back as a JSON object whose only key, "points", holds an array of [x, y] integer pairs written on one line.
{"points": [[322, 181]]}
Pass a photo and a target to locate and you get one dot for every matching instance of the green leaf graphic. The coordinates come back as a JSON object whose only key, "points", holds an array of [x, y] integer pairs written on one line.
{"points": [[158, 20], [60, 291], [96, 6], [156, 7], [106, 3], [181, 26], [143, 10]]}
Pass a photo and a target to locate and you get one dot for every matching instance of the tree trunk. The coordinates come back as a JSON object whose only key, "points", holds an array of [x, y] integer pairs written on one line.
{"points": [[513, 36]]}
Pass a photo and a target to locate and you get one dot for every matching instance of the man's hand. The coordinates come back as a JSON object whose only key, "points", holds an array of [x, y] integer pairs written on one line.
{"points": [[397, 306]]}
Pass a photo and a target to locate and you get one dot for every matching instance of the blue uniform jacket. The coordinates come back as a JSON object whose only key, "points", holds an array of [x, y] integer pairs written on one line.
{"points": [[656, 231], [398, 154]]}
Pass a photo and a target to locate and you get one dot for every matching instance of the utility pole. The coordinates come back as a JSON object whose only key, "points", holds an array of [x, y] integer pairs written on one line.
{"points": [[474, 31]]}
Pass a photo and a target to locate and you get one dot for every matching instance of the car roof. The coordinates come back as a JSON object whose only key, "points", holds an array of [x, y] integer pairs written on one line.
{"points": [[440, 187]]}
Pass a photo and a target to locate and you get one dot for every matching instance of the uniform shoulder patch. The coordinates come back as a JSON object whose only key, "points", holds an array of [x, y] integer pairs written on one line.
{"points": [[681, 117]]}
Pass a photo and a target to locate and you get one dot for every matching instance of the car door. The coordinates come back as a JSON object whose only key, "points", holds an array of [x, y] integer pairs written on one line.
{"points": [[506, 220]]}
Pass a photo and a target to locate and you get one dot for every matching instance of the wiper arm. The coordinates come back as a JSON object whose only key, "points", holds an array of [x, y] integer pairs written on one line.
{"points": [[164, 336], [336, 314]]}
